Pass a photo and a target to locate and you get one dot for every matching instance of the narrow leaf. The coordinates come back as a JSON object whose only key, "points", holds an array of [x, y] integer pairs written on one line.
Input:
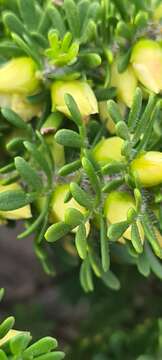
{"points": [[81, 241], [68, 138], [81, 196], [28, 174], [57, 231]]}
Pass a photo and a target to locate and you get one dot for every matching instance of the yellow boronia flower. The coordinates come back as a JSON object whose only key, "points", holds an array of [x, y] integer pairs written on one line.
{"points": [[116, 208], [147, 167], [108, 150], [106, 118], [19, 104], [125, 83], [146, 60], [81, 92], [22, 213], [58, 207], [19, 76]]}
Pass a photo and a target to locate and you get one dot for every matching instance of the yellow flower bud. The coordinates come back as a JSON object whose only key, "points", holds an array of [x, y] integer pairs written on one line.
{"points": [[148, 168], [81, 92], [106, 118], [58, 207], [22, 213], [19, 76], [108, 150], [116, 208], [125, 83], [146, 60]]}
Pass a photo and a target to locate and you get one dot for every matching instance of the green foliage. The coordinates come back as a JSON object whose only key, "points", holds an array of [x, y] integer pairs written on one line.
{"points": [[16, 344], [79, 41]]}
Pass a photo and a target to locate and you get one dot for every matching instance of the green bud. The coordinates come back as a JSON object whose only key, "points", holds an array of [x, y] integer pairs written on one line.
{"points": [[19, 76], [108, 150], [146, 60], [148, 168], [80, 91]]}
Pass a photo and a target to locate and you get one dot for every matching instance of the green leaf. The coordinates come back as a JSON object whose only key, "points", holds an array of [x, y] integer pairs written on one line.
{"points": [[14, 119], [115, 231], [57, 231], [124, 30], [143, 121], [1, 294], [135, 109], [103, 94], [123, 61], [39, 159], [19, 343], [86, 276], [15, 199], [40, 347], [81, 241], [112, 185], [89, 32], [68, 138], [91, 61], [136, 239], [3, 356], [113, 111], [150, 235], [122, 130], [57, 355], [72, 17], [113, 167], [6, 326], [91, 173], [81, 196], [74, 110], [28, 174], [28, 13], [143, 264], [73, 217], [29, 50], [110, 280], [13, 23], [104, 244], [69, 168], [57, 20], [95, 262], [154, 263]]}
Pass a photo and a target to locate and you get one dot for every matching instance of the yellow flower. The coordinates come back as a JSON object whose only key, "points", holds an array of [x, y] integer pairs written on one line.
{"points": [[148, 168], [116, 208], [22, 213], [19, 76], [81, 92], [146, 60], [108, 150], [125, 82], [19, 104], [58, 207]]}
